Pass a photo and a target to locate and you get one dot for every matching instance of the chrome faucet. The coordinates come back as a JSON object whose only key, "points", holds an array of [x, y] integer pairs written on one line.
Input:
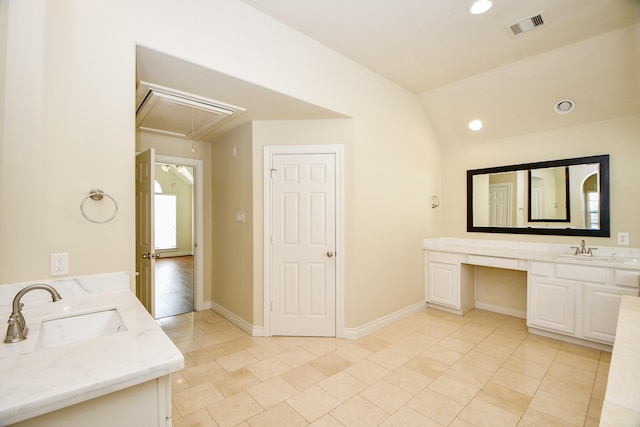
{"points": [[583, 250], [17, 329]]}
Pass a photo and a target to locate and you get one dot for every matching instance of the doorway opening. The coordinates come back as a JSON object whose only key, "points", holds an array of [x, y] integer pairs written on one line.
{"points": [[173, 239]]}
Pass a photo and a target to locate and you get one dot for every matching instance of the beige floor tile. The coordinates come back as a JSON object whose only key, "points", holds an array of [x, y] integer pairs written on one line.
{"points": [[521, 383], [408, 349], [595, 409], [358, 411], [422, 339], [493, 349], [454, 388], [564, 388], [442, 354], [329, 363], [195, 398], [407, 417], [435, 406], [272, 392], [534, 418], [303, 377], [481, 413], [268, 368], [470, 373], [236, 382], [178, 383], [199, 418], [290, 342], [456, 344], [187, 346], [388, 359], [313, 403], [208, 371], [526, 367], [279, 415], [408, 380], [239, 343], [459, 422], [207, 354], [265, 350], [559, 407], [296, 356], [572, 374], [326, 421], [320, 346], [342, 386], [470, 335], [372, 343], [580, 350], [386, 396], [505, 398], [428, 367], [234, 410], [211, 339], [352, 352], [482, 360], [577, 361], [540, 355], [503, 341], [367, 371], [235, 361]]}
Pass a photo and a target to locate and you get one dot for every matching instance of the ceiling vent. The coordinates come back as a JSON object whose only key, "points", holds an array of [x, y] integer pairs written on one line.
{"points": [[525, 25], [171, 112]]}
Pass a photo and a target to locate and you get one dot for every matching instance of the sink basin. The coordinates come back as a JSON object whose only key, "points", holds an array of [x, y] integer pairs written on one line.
{"points": [[612, 260], [79, 327]]}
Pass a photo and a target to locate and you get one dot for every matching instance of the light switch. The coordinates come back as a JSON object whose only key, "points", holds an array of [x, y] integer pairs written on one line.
{"points": [[239, 216]]}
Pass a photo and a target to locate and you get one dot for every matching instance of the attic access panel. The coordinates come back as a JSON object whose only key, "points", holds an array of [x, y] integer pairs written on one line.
{"points": [[171, 112]]}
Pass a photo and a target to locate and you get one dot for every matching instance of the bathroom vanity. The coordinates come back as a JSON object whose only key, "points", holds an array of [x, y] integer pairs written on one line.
{"points": [[571, 297], [79, 373]]}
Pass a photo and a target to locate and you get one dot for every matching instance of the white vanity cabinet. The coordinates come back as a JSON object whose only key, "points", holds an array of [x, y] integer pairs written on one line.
{"points": [[577, 300], [443, 286]]}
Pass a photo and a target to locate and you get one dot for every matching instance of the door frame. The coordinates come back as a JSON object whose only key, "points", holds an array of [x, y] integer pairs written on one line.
{"points": [[198, 215], [268, 153]]}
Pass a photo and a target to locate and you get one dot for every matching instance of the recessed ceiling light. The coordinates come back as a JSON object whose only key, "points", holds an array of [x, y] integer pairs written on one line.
{"points": [[564, 107], [475, 125], [480, 6]]}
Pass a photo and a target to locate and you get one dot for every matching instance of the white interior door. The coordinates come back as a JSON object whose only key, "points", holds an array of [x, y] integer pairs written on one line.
{"points": [[145, 255], [303, 239], [500, 205]]}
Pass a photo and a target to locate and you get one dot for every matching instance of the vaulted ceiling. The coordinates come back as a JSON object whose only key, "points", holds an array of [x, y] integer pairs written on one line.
{"points": [[464, 66]]}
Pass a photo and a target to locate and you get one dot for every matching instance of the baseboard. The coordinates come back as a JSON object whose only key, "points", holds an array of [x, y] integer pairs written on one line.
{"points": [[502, 310], [172, 254], [573, 340], [254, 331], [355, 333]]}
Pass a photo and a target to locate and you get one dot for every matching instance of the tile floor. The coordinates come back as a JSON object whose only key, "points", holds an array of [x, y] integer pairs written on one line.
{"points": [[430, 369]]}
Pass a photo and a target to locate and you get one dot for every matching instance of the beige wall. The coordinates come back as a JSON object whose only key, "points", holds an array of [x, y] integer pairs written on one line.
{"points": [[616, 137], [233, 252]]}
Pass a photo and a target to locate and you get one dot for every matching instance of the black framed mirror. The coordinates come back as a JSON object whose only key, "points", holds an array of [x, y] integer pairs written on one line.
{"points": [[566, 197]]}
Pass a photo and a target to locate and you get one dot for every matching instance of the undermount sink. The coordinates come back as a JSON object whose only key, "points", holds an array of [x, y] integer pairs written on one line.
{"points": [[610, 259], [81, 326]]}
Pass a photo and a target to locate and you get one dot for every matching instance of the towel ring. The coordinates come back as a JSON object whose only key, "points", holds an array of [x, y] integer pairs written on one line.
{"points": [[97, 195]]}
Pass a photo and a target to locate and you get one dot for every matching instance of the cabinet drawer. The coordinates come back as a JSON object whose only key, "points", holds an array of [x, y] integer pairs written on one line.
{"points": [[627, 278], [544, 269], [582, 273], [444, 257], [490, 261]]}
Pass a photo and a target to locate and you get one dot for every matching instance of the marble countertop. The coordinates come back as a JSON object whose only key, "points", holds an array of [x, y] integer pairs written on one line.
{"points": [[621, 405], [37, 380], [625, 258]]}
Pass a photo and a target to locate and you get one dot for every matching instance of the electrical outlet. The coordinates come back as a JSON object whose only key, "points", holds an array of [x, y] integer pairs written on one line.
{"points": [[623, 239], [59, 264]]}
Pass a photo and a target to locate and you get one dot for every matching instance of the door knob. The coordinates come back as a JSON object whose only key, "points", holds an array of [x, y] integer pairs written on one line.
{"points": [[146, 256], [155, 255], [329, 254]]}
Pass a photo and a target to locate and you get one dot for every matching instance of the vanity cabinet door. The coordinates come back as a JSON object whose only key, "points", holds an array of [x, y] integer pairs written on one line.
{"points": [[443, 287], [552, 304], [600, 312]]}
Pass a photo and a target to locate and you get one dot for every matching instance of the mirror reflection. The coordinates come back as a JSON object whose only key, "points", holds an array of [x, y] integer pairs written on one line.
{"points": [[563, 197]]}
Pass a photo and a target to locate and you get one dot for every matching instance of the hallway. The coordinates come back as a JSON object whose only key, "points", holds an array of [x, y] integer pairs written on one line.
{"points": [[174, 286]]}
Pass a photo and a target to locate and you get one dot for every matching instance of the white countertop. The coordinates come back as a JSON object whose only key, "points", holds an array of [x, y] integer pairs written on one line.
{"points": [[621, 405], [625, 258], [35, 381]]}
